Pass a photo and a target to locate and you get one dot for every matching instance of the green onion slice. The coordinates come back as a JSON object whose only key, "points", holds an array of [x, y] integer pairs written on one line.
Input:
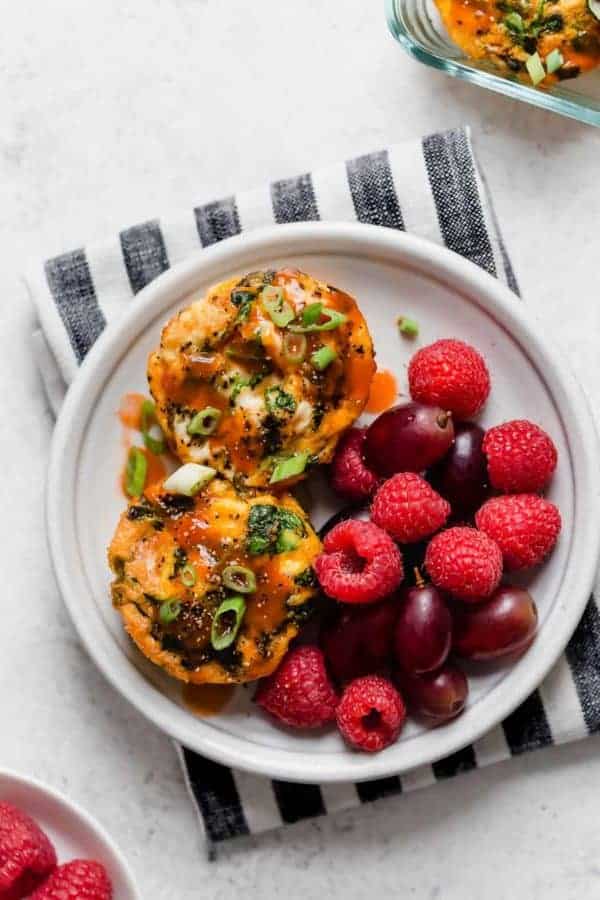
{"points": [[226, 622], [135, 472], [152, 434], [535, 68], [188, 575], [294, 347], [240, 579], [290, 467], [333, 319], [280, 312], [168, 612], [205, 422], [554, 61], [189, 479], [594, 8], [408, 327], [323, 357], [312, 313]]}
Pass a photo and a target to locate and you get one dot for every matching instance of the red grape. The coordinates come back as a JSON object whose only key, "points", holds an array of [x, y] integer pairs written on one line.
{"points": [[359, 640], [437, 695], [408, 438], [461, 476], [503, 624], [423, 631]]}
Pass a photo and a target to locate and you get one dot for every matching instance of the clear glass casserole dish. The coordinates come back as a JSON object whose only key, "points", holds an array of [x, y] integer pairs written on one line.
{"points": [[417, 26]]}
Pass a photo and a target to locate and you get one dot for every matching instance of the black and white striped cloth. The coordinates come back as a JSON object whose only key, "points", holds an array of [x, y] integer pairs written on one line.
{"points": [[430, 187]]}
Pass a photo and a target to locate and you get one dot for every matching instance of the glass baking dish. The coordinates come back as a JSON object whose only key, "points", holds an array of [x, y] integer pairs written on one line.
{"points": [[416, 25]]}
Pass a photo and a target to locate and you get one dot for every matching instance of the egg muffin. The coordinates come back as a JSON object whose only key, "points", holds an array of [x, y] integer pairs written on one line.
{"points": [[537, 41], [261, 376], [213, 587]]}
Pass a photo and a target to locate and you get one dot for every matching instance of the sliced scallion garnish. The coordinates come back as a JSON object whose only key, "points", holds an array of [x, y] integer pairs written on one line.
{"points": [[290, 467], [168, 612], [239, 578], [554, 61], [152, 434], [205, 422], [535, 68], [408, 327], [227, 622], [333, 319], [280, 311], [135, 472], [189, 479], [312, 313], [188, 575], [323, 357], [294, 347]]}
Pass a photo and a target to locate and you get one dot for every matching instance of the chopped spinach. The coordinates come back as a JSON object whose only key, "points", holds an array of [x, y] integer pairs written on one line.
{"points": [[140, 512], [526, 34], [241, 382], [278, 401], [265, 526], [307, 578], [239, 298], [179, 560]]}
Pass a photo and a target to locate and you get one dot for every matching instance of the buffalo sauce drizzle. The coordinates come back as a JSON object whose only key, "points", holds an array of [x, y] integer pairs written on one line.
{"points": [[207, 699], [201, 532], [383, 392]]}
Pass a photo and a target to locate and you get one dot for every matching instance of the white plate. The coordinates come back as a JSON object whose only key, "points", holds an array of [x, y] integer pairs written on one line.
{"points": [[390, 273], [73, 832]]}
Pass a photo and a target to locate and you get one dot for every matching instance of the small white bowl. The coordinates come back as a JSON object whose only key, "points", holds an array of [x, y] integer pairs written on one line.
{"points": [[73, 832], [390, 273]]}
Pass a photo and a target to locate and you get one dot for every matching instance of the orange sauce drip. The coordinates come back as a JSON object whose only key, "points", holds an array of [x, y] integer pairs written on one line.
{"points": [[130, 410], [266, 608], [193, 392], [207, 699], [383, 393]]}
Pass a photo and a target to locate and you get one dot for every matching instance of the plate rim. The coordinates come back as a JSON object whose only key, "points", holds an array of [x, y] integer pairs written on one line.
{"points": [[65, 802], [443, 265]]}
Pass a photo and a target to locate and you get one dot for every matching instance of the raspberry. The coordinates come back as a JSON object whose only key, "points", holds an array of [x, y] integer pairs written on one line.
{"points": [[408, 508], [80, 879], [361, 563], [464, 562], [299, 693], [450, 374], [350, 476], [524, 526], [26, 854], [521, 458], [371, 713]]}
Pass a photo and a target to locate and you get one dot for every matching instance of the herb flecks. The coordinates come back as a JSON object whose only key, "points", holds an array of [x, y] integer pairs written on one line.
{"points": [[526, 34], [266, 524]]}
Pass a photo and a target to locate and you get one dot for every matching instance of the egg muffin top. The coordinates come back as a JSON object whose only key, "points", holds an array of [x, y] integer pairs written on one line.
{"points": [[539, 41], [259, 377], [213, 587]]}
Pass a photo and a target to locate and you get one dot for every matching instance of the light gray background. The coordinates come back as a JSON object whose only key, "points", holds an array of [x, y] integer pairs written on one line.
{"points": [[118, 110]]}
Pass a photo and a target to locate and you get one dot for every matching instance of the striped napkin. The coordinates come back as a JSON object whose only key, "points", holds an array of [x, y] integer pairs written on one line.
{"points": [[433, 188]]}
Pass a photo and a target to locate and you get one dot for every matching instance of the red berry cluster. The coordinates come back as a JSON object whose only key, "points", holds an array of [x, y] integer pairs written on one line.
{"points": [[448, 499], [28, 865]]}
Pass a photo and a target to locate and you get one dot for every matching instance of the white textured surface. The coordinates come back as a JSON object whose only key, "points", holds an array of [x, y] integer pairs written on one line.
{"points": [[116, 111]]}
